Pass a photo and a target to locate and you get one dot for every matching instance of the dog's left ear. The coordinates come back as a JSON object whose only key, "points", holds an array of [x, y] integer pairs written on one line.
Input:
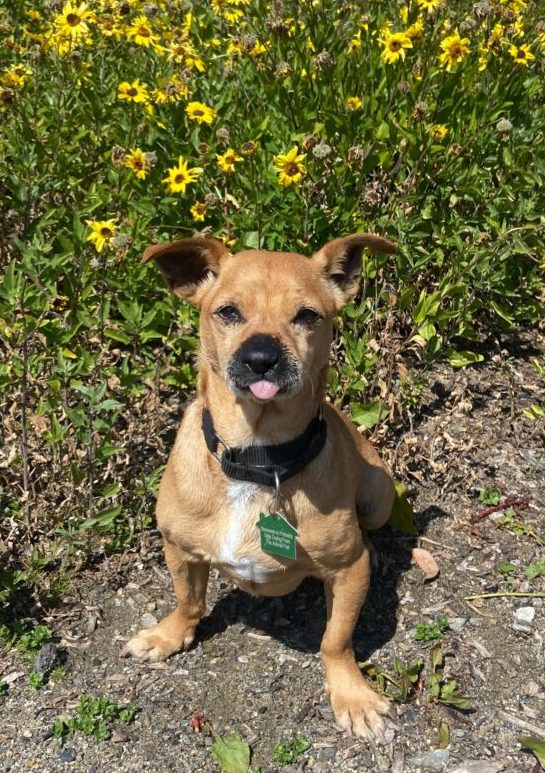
{"points": [[186, 264], [341, 262]]}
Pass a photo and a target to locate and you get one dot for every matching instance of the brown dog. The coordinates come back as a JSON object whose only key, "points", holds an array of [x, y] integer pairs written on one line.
{"points": [[266, 481]]}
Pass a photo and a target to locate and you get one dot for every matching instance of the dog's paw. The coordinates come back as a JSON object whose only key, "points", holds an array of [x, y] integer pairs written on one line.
{"points": [[157, 644], [360, 711]]}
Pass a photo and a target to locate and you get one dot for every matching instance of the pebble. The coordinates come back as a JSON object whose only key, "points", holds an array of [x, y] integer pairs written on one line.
{"points": [[434, 759], [68, 754], [478, 766], [148, 620], [525, 615], [46, 659], [456, 624]]}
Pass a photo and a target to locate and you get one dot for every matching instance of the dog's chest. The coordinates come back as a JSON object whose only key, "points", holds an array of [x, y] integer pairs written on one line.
{"points": [[239, 549]]}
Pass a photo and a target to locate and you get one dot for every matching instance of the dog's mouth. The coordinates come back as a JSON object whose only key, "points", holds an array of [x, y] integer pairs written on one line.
{"points": [[264, 390], [263, 370]]}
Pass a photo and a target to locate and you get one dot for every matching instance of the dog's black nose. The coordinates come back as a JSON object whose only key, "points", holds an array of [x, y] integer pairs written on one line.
{"points": [[260, 353]]}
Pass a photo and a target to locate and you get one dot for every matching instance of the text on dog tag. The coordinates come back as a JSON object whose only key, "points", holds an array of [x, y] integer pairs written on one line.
{"points": [[277, 535]]}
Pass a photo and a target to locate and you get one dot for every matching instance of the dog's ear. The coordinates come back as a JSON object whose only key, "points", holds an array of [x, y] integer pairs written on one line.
{"points": [[187, 263], [341, 262]]}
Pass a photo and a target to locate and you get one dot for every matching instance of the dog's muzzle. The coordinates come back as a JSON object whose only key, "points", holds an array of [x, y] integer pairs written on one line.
{"points": [[263, 367]]}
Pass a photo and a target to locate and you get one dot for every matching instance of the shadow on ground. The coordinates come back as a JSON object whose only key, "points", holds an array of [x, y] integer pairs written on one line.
{"points": [[298, 619]]}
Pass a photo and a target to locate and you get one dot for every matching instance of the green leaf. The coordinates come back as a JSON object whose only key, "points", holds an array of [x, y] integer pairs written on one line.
{"points": [[463, 358], [367, 414], [535, 745], [231, 753], [535, 570], [443, 731], [402, 517]]}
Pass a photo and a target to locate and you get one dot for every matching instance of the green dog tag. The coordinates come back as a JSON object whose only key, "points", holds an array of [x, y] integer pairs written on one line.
{"points": [[277, 535]]}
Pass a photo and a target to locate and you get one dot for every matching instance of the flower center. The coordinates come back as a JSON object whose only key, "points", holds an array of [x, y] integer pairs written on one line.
{"points": [[456, 51], [395, 45], [105, 232], [73, 19], [132, 92], [143, 32], [180, 178], [521, 54], [198, 112], [291, 169]]}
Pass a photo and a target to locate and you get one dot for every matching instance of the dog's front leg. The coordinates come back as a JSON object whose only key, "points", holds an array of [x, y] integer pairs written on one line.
{"points": [[177, 630], [357, 707]]}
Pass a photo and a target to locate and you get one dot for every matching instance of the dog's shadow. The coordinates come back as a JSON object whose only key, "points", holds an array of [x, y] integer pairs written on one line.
{"points": [[298, 619]]}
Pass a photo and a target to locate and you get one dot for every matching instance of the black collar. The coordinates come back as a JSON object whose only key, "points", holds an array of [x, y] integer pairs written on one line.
{"points": [[267, 465]]}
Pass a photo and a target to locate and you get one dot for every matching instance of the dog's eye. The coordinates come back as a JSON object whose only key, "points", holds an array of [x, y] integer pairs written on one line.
{"points": [[229, 314], [306, 317]]}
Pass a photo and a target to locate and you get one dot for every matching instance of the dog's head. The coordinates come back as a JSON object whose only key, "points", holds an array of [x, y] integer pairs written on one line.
{"points": [[266, 317]]}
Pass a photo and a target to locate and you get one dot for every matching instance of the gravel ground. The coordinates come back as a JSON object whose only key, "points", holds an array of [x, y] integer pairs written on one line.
{"points": [[256, 668]]}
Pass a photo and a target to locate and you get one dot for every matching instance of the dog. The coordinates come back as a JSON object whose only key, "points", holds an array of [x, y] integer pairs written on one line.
{"points": [[267, 481]]}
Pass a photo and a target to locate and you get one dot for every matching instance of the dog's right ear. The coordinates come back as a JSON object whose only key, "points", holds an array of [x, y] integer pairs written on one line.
{"points": [[187, 263]]}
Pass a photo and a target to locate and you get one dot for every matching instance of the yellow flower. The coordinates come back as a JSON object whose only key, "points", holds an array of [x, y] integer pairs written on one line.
{"points": [[249, 148], [483, 58], [415, 30], [454, 49], [133, 92], [136, 160], [172, 90], [496, 36], [179, 177], [72, 20], [353, 103], [521, 54], [15, 77], [289, 167], [183, 52], [102, 232], [438, 131], [141, 32], [108, 26], [429, 5], [258, 49], [198, 210], [355, 44], [227, 162], [395, 45], [200, 113]]}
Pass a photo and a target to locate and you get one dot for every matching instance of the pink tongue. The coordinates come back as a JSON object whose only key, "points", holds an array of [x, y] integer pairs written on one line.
{"points": [[265, 390]]}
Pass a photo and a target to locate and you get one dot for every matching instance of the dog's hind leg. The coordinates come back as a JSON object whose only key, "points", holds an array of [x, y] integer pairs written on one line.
{"points": [[375, 495], [176, 631]]}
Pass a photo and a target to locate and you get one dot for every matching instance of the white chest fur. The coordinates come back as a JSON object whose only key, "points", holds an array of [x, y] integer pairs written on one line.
{"points": [[239, 547]]}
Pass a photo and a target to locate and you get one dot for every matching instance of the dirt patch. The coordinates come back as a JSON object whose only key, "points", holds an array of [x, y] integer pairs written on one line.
{"points": [[256, 669]]}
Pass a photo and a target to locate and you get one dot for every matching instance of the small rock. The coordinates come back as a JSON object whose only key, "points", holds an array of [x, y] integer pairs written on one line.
{"points": [[478, 766], [46, 659], [532, 688], [434, 759], [68, 754], [148, 620], [525, 615], [457, 624], [243, 659], [118, 736], [481, 649]]}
